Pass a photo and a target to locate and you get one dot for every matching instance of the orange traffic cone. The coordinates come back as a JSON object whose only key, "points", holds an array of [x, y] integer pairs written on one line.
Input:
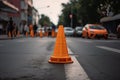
{"points": [[9, 34], [26, 34], [41, 34], [60, 54], [53, 33], [32, 33], [46, 33]]}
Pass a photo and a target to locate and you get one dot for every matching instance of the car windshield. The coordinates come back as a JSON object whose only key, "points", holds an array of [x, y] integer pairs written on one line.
{"points": [[68, 29], [97, 27], [79, 29]]}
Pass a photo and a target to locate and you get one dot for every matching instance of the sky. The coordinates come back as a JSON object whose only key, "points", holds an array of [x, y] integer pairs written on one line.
{"points": [[53, 11]]}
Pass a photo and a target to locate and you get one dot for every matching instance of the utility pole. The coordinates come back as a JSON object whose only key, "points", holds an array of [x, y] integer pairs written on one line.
{"points": [[71, 17]]}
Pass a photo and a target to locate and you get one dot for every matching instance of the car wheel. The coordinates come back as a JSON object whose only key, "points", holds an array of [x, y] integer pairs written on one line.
{"points": [[87, 36], [118, 36], [82, 35], [106, 37]]}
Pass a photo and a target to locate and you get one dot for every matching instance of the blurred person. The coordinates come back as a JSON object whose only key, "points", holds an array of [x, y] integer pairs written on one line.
{"points": [[45, 30], [10, 26], [30, 27], [1, 29], [53, 27], [7, 29], [118, 31], [49, 32], [25, 28], [35, 29], [21, 28], [14, 30], [31, 30]]}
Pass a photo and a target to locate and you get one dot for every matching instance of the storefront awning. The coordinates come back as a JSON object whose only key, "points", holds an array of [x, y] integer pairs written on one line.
{"points": [[7, 7], [3, 16], [116, 17], [107, 19]]}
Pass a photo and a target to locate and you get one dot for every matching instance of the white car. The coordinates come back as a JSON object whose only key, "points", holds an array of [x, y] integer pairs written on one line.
{"points": [[68, 31], [78, 31]]}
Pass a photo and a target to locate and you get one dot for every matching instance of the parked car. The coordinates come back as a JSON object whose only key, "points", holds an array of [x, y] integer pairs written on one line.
{"points": [[94, 31], [78, 31], [68, 31], [49, 30]]}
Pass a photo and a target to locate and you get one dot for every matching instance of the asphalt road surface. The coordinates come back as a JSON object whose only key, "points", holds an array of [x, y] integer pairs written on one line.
{"points": [[27, 59]]}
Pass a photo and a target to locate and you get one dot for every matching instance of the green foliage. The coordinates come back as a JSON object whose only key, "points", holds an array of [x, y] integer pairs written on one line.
{"points": [[87, 11], [44, 20]]}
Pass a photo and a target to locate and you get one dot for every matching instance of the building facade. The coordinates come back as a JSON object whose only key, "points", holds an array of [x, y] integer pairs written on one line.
{"points": [[5, 8], [35, 16], [27, 13]]}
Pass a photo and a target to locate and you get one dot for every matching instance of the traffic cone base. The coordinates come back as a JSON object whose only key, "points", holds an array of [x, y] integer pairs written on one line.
{"points": [[60, 60]]}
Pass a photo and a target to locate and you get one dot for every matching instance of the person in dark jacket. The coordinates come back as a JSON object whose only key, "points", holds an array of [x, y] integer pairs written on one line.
{"points": [[118, 31], [35, 29], [10, 26]]}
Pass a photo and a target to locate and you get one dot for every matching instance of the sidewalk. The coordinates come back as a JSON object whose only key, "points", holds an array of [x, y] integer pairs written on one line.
{"points": [[5, 37]]}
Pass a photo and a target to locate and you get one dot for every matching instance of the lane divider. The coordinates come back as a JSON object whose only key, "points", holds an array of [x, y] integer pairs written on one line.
{"points": [[109, 49], [75, 71]]}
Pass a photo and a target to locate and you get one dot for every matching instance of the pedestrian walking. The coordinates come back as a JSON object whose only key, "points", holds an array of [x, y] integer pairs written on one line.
{"points": [[14, 30], [35, 29], [49, 31], [45, 30], [118, 31], [21, 28], [31, 30], [26, 29], [1, 29], [10, 27]]}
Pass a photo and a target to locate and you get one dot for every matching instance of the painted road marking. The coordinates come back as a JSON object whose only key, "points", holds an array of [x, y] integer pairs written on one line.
{"points": [[105, 41], [109, 49], [74, 71], [69, 51]]}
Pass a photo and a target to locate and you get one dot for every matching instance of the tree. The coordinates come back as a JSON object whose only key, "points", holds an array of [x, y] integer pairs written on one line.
{"points": [[44, 20], [87, 11], [107, 6]]}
